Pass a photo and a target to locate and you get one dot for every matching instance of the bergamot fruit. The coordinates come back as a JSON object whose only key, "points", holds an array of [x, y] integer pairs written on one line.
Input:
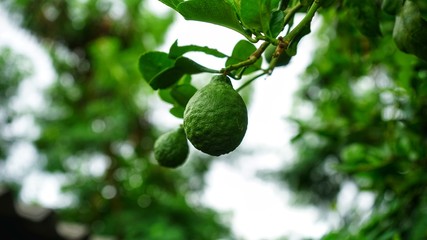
{"points": [[216, 118], [409, 32], [171, 148]]}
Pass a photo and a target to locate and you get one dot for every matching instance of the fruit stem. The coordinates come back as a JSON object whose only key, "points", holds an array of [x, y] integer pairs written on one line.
{"points": [[250, 81], [251, 59], [301, 25], [285, 41], [279, 50], [291, 12]]}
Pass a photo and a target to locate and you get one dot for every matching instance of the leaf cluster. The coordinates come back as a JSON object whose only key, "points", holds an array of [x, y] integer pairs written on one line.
{"points": [[256, 20]]}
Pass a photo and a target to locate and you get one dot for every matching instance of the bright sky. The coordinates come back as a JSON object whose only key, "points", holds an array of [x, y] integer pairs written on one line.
{"points": [[261, 210]]}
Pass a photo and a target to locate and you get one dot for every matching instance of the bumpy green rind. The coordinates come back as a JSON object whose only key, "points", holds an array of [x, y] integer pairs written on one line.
{"points": [[171, 149], [410, 30], [216, 118]]}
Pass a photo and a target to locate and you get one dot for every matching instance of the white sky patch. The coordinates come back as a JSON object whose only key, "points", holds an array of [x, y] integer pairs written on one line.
{"points": [[156, 6], [24, 43], [42, 74], [45, 189], [21, 161], [23, 127]]}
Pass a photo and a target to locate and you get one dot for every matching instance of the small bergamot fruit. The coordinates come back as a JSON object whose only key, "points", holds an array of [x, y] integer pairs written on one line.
{"points": [[171, 148], [409, 32], [216, 118]]}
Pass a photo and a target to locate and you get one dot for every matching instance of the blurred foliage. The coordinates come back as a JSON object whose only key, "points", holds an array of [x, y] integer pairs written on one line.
{"points": [[368, 103], [95, 129], [13, 68]]}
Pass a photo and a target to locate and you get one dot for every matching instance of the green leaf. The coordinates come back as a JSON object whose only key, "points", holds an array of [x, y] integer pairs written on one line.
{"points": [[166, 78], [241, 52], [217, 12], [179, 94], [177, 111], [256, 14], [189, 66], [276, 4], [176, 51], [165, 95], [277, 23], [151, 63], [182, 93], [172, 3], [172, 75]]}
